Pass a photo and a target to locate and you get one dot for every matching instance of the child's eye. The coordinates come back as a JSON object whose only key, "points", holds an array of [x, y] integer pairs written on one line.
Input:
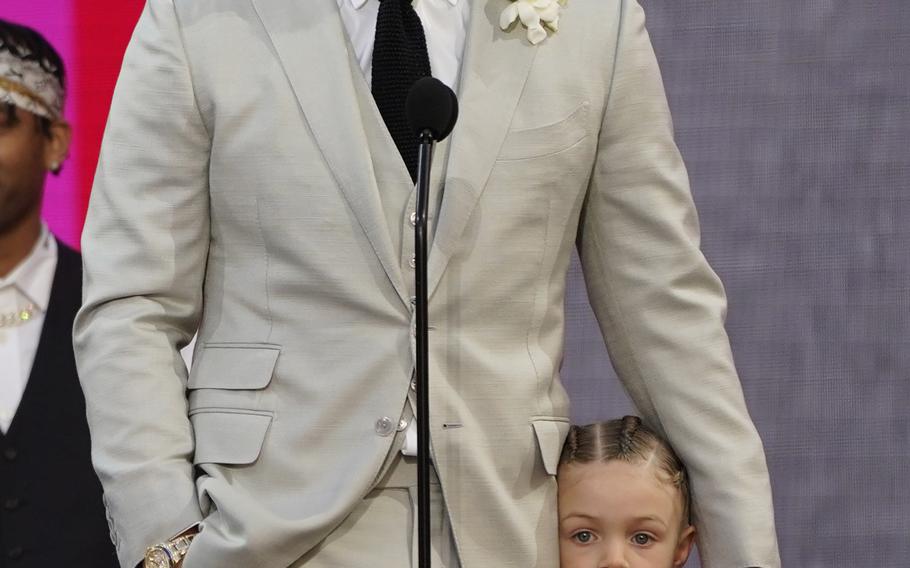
{"points": [[642, 539], [583, 537]]}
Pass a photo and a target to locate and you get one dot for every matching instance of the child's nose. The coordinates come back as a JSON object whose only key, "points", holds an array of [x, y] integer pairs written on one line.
{"points": [[613, 555]]}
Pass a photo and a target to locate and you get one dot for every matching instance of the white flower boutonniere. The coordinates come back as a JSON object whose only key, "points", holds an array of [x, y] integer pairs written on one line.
{"points": [[540, 17]]}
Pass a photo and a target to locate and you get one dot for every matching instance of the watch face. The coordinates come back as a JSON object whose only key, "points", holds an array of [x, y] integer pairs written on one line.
{"points": [[157, 558]]}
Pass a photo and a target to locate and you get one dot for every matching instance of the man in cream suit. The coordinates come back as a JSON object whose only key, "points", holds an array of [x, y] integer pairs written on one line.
{"points": [[248, 185]]}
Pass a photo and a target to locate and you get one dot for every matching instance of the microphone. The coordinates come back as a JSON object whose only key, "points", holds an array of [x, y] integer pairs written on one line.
{"points": [[432, 109]]}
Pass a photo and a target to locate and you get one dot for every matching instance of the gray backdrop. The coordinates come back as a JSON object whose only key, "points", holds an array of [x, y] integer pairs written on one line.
{"points": [[794, 119]]}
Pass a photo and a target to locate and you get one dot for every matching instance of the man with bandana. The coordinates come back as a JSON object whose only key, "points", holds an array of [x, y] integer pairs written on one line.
{"points": [[51, 511]]}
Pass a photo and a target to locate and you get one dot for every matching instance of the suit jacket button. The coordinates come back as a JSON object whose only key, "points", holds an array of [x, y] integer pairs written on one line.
{"points": [[11, 504], [10, 454], [385, 426]]}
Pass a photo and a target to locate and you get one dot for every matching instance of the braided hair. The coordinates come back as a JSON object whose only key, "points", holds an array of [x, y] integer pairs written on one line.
{"points": [[629, 440]]}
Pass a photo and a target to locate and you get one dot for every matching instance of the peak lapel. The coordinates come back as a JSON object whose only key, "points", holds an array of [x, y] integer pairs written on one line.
{"points": [[496, 66], [310, 40]]}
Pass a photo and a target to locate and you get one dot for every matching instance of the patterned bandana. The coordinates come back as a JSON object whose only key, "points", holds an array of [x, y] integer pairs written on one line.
{"points": [[24, 83]]}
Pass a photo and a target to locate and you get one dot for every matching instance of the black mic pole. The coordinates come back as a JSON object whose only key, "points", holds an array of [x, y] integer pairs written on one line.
{"points": [[423, 364], [432, 110]]}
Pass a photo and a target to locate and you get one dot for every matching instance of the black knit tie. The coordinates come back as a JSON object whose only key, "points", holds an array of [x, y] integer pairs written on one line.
{"points": [[399, 59]]}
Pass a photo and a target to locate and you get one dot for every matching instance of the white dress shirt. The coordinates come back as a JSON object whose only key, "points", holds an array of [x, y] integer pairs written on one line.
{"points": [[445, 25], [28, 284]]}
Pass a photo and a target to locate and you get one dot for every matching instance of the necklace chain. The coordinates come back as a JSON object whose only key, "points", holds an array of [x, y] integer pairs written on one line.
{"points": [[19, 317]]}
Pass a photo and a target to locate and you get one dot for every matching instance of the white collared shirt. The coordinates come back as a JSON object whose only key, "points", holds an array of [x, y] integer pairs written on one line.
{"points": [[28, 284], [445, 25]]}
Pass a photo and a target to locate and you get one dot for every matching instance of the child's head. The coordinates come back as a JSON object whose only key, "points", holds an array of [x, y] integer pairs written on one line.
{"points": [[623, 499]]}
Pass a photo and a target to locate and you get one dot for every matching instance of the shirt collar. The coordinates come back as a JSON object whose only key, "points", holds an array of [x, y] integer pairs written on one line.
{"points": [[358, 4], [34, 276]]}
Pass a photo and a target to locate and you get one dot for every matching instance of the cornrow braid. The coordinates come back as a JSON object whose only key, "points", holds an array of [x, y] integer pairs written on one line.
{"points": [[630, 425], [571, 446]]}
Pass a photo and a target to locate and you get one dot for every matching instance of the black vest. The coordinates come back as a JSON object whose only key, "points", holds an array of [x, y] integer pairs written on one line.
{"points": [[51, 512]]}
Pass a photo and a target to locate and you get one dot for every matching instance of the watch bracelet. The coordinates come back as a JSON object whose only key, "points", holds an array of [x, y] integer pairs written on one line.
{"points": [[176, 548], [179, 546]]}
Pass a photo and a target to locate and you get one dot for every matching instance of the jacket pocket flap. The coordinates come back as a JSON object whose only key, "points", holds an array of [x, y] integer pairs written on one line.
{"points": [[233, 367], [551, 434], [229, 437]]}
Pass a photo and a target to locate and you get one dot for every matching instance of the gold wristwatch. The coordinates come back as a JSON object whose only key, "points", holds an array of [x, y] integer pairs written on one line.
{"points": [[169, 554]]}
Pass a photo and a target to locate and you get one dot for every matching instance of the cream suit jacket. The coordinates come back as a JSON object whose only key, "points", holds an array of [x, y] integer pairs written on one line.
{"points": [[236, 192]]}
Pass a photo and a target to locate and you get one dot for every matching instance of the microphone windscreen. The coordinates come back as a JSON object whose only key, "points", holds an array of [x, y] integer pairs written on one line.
{"points": [[431, 105]]}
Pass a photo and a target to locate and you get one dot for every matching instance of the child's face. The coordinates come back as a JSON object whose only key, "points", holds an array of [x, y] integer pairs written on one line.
{"points": [[620, 515]]}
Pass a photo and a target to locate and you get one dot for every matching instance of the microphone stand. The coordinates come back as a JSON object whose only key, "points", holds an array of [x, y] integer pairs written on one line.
{"points": [[432, 110], [425, 158]]}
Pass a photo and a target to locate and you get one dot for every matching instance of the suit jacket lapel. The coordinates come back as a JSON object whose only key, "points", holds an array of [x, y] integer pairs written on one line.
{"points": [[495, 68], [310, 40]]}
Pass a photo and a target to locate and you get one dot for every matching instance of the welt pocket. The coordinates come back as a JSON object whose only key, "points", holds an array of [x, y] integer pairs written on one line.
{"points": [[550, 432], [229, 436], [233, 366], [540, 141]]}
